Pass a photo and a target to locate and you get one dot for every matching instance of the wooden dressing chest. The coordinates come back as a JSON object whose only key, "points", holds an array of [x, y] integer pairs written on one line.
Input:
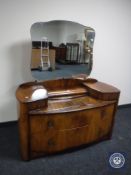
{"points": [[73, 113]]}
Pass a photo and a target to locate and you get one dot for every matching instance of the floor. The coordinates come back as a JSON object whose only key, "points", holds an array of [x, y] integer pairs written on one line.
{"points": [[65, 71], [93, 160]]}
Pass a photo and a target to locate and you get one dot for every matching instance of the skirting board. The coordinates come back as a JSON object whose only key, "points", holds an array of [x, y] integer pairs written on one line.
{"points": [[124, 106], [11, 123], [8, 124]]}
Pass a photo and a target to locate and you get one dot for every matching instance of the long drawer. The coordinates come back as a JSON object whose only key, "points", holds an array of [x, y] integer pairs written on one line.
{"points": [[57, 132]]}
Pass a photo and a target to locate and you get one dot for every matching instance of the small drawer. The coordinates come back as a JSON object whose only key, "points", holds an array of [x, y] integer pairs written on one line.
{"points": [[37, 104]]}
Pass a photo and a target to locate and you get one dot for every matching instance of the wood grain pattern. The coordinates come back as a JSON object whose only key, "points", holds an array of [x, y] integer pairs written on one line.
{"points": [[76, 112], [69, 105], [23, 122], [68, 130], [102, 91]]}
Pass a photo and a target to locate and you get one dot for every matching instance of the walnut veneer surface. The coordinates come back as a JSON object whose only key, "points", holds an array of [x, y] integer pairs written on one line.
{"points": [[75, 113]]}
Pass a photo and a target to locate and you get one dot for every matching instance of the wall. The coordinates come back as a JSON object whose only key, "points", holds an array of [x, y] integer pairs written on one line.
{"points": [[110, 19], [49, 30], [57, 31]]}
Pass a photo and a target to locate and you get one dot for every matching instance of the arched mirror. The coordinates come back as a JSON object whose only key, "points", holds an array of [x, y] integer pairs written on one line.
{"points": [[61, 49]]}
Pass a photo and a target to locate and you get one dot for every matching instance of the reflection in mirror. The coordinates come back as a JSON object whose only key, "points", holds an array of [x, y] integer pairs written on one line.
{"points": [[61, 49]]}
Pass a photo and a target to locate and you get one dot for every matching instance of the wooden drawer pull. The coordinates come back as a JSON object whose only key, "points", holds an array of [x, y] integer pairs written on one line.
{"points": [[50, 124], [103, 113], [51, 143]]}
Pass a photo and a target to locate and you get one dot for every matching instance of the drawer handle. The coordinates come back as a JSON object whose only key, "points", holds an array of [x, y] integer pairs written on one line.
{"points": [[50, 124], [103, 113], [51, 143]]}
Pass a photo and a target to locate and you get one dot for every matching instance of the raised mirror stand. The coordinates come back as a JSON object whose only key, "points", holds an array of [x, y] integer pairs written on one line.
{"points": [[63, 114]]}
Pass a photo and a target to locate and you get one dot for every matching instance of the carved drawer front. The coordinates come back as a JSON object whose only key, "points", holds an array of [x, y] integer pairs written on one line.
{"points": [[37, 104]]}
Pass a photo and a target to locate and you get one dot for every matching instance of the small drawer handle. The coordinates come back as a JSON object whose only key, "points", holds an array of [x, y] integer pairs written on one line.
{"points": [[51, 142], [50, 124], [103, 113]]}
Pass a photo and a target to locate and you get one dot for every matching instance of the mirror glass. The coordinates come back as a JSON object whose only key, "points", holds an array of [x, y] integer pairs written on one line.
{"points": [[61, 49]]}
